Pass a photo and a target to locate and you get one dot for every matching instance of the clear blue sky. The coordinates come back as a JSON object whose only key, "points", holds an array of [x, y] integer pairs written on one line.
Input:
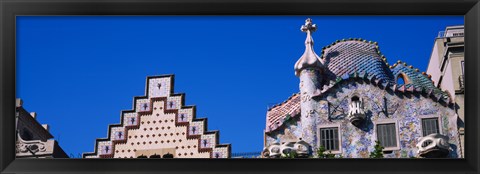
{"points": [[78, 73]]}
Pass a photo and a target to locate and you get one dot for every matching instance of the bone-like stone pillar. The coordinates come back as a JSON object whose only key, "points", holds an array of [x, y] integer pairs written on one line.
{"points": [[309, 86]]}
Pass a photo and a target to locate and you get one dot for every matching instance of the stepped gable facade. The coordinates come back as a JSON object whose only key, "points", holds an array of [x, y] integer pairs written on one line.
{"points": [[160, 126]]}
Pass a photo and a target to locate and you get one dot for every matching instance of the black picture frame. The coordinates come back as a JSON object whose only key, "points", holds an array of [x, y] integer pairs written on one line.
{"points": [[12, 8]]}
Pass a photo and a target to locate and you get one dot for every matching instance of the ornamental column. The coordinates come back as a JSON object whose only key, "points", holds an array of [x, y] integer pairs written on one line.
{"points": [[308, 68]]}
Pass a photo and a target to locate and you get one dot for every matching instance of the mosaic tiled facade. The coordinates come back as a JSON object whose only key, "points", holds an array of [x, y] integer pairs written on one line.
{"points": [[160, 124], [347, 96]]}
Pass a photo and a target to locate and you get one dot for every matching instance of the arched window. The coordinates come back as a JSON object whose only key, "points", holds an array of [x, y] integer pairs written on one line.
{"points": [[402, 79]]}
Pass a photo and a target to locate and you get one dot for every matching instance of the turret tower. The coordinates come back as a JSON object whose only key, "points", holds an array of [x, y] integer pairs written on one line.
{"points": [[309, 69]]}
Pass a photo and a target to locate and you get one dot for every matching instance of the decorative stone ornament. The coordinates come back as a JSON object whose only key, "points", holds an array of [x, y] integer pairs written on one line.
{"points": [[433, 146], [287, 148], [30, 147], [301, 148], [356, 114], [274, 150]]}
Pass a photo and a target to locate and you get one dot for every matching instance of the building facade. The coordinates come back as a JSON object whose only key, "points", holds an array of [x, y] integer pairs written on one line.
{"points": [[160, 126], [446, 66], [350, 97], [34, 139]]}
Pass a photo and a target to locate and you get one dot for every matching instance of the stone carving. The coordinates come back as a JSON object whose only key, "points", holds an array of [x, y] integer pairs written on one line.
{"points": [[433, 146], [30, 147], [301, 148], [356, 114]]}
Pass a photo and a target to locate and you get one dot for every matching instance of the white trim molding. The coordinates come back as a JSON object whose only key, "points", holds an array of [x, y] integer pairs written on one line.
{"points": [[388, 121], [440, 123], [333, 125]]}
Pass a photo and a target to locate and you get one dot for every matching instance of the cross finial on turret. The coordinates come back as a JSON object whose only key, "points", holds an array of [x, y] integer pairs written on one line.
{"points": [[309, 59], [309, 26]]}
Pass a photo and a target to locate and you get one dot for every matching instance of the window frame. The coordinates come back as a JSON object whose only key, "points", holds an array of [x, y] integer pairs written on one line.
{"points": [[397, 137], [439, 121], [319, 142]]}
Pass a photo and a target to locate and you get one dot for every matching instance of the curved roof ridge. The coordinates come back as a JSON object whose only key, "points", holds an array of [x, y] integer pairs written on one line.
{"points": [[411, 67], [355, 54], [358, 40]]}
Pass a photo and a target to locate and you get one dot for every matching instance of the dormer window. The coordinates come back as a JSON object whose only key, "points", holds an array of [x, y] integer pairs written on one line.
{"points": [[402, 79]]}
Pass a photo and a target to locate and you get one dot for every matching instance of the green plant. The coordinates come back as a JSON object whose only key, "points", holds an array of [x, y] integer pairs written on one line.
{"points": [[321, 153], [291, 154], [378, 151]]}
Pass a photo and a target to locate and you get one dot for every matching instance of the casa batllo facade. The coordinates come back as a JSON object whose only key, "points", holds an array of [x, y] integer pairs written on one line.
{"points": [[350, 97]]}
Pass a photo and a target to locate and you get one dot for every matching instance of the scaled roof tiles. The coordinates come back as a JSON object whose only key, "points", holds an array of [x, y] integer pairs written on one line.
{"points": [[277, 115]]}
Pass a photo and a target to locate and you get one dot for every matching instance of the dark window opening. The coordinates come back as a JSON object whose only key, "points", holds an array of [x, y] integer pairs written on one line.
{"points": [[355, 98], [430, 126], [329, 138], [387, 135]]}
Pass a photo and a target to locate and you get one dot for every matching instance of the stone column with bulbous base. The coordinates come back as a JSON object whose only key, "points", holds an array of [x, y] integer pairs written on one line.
{"points": [[308, 68]]}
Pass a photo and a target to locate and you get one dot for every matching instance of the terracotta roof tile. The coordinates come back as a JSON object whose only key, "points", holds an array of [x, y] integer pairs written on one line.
{"points": [[277, 114]]}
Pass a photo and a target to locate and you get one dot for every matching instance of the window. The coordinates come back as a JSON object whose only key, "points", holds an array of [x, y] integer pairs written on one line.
{"points": [[430, 126], [402, 79], [463, 68], [387, 135], [329, 138]]}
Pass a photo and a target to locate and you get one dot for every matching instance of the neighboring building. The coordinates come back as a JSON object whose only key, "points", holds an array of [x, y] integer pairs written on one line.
{"points": [[160, 126], [350, 97], [447, 69], [34, 139]]}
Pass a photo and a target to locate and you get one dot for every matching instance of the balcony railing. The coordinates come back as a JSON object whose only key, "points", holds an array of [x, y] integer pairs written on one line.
{"points": [[461, 80]]}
